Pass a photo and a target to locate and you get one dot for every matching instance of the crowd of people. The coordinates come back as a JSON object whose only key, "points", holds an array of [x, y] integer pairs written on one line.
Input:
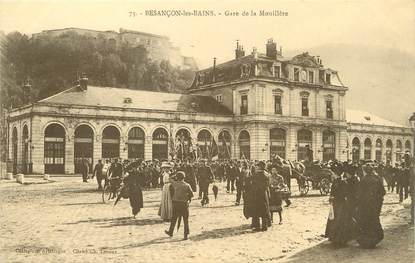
{"points": [[356, 194]]}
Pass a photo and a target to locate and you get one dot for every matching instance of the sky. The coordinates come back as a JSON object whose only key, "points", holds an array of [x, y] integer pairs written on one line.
{"points": [[310, 23]]}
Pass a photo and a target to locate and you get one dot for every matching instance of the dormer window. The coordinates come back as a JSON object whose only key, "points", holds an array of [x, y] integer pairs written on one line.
{"points": [[328, 78], [277, 70], [296, 74], [311, 77], [128, 100]]}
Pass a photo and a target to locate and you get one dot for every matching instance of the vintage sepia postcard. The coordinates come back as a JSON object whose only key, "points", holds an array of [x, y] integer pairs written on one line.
{"points": [[207, 131]]}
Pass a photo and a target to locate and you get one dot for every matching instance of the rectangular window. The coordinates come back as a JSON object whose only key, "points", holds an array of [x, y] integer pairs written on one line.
{"points": [[304, 107], [296, 74], [310, 77], [277, 104], [329, 109], [328, 78], [244, 104], [219, 98], [277, 70]]}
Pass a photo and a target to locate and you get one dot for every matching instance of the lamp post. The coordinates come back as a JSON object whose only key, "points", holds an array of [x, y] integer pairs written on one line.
{"points": [[412, 186]]}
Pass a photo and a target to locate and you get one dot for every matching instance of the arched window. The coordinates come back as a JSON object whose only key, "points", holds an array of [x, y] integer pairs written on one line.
{"points": [[14, 149], [110, 142], [277, 138], [399, 149], [329, 145], [54, 153], [355, 149], [25, 150], [244, 145], [368, 149], [83, 147], [160, 144], [204, 142], [378, 153], [304, 139], [224, 145], [388, 153], [136, 140], [183, 143]]}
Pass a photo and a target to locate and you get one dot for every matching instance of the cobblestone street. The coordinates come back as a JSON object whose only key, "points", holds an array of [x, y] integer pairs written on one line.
{"points": [[64, 220]]}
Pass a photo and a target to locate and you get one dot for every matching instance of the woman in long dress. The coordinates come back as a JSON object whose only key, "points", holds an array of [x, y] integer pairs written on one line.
{"points": [[132, 183], [341, 227], [166, 206]]}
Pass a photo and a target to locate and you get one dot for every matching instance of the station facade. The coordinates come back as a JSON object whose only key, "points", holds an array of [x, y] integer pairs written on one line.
{"points": [[253, 107]]}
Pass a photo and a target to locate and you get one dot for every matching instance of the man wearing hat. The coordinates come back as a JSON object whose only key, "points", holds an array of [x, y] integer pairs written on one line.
{"points": [[260, 189], [205, 176], [181, 194]]}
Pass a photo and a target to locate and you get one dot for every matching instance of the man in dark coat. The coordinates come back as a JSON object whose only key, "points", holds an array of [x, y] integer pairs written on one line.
{"points": [[260, 198], [98, 173], [231, 174], [84, 170], [190, 177], [370, 200], [205, 176]]}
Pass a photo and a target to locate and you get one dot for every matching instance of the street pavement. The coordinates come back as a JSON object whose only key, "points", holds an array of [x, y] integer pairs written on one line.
{"points": [[65, 220]]}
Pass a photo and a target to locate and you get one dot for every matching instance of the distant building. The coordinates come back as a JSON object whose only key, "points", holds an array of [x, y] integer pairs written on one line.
{"points": [[253, 107], [159, 47]]}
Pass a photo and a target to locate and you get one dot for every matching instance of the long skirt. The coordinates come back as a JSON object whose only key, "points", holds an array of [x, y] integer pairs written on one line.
{"points": [[275, 201], [342, 228], [370, 229], [136, 200], [166, 207]]}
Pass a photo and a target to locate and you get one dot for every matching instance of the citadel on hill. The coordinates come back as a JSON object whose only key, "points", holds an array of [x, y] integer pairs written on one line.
{"points": [[255, 106]]}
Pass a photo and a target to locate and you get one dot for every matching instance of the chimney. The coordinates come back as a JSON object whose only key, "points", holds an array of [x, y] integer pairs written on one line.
{"points": [[280, 51], [254, 52], [27, 88], [239, 51], [271, 47], [83, 82]]}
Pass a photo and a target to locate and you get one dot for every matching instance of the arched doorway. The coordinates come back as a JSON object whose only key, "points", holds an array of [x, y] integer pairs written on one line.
{"points": [[399, 150], [204, 142], [110, 142], [304, 138], [277, 137], [14, 150], [224, 146], [378, 152], [183, 143], [83, 147], [160, 144], [244, 145], [25, 150], [367, 154], [54, 154], [355, 149], [136, 138], [329, 146], [388, 153]]}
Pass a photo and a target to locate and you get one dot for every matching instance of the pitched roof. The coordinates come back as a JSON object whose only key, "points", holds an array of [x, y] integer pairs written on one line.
{"points": [[362, 117], [140, 99]]}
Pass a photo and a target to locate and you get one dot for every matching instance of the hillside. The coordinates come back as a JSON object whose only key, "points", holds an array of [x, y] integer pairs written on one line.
{"points": [[380, 80]]}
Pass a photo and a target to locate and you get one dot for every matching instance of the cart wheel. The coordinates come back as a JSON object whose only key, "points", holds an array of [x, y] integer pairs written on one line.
{"points": [[325, 186], [304, 188], [106, 193]]}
